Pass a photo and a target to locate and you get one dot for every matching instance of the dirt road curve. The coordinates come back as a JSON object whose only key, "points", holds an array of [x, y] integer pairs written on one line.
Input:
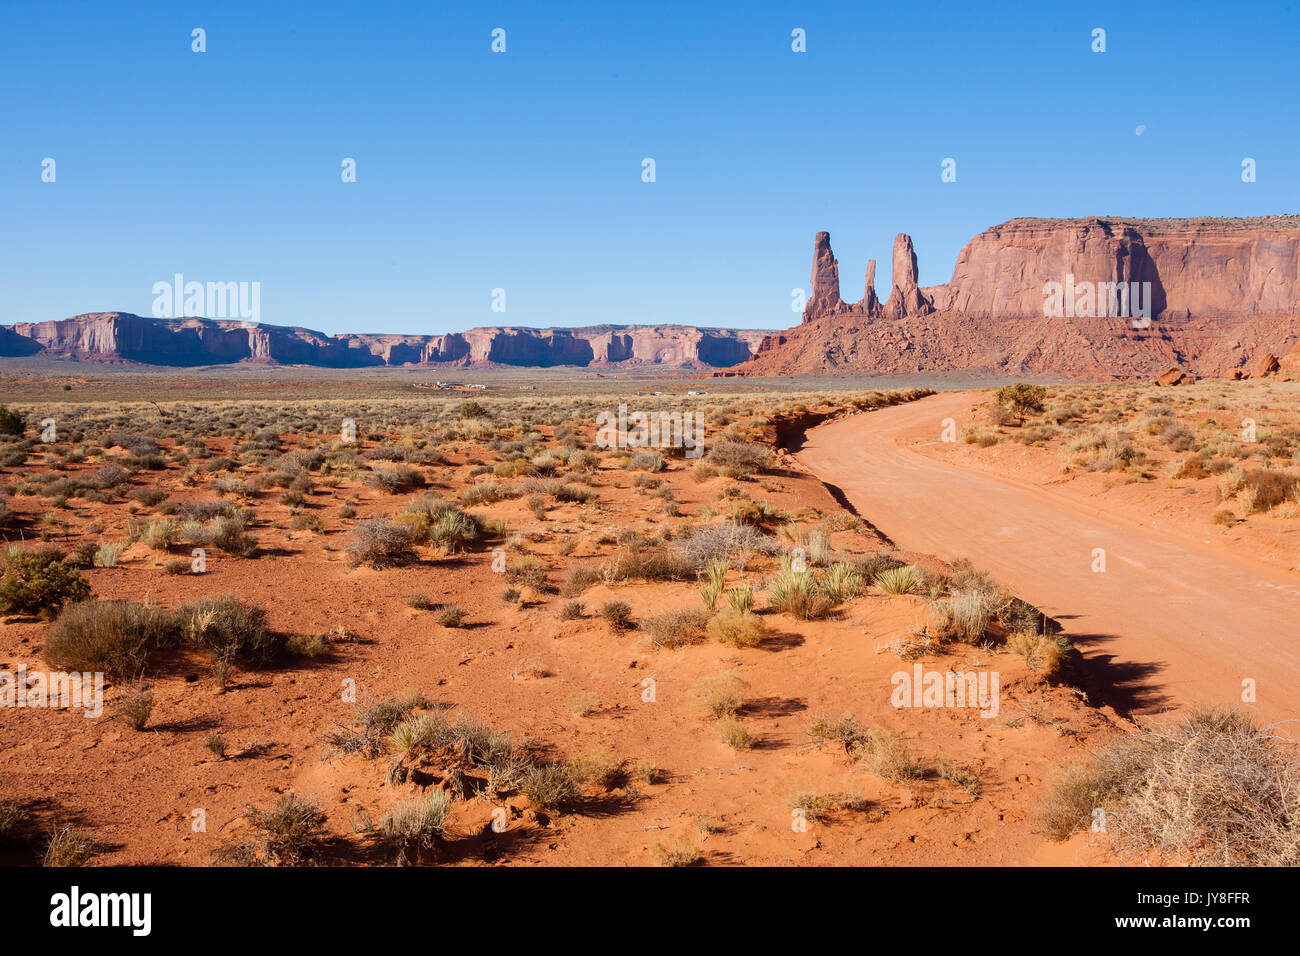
{"points": [[1169, 622]]}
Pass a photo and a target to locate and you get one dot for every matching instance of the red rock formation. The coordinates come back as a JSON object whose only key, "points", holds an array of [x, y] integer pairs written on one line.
{"points": [[122, 337], [905, 298], [1175, 376], [1218, 292], [1265, 365], [825, 298]]}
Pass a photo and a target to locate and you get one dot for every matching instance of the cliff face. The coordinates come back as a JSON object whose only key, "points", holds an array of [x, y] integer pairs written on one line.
{"points": [[122, 337], [1207, 294]]}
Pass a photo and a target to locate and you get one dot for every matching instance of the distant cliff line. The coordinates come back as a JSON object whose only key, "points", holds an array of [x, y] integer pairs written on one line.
{"points": [[121, 337]]}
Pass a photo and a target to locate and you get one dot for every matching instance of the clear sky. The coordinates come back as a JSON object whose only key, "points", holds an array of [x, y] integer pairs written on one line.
{"points": [[523, 170]]}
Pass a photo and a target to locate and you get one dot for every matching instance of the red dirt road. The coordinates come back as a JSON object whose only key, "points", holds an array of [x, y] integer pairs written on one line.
{"points": [[1172, 620]]}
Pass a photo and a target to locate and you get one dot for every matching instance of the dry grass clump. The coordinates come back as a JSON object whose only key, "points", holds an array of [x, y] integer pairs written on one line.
{"points": [[738, 459], [888, 756], [135, 707], [679, 853], [416, 826], [70, 847], [722, 694], [230, 629], [1045, 653], [551, 787], [292, 832], [372, 722], [1212, 788], [675, 628], [845, 730], [735, 734]]}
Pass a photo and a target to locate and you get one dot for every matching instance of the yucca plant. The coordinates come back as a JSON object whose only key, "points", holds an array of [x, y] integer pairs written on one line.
{"points": [[841, 583], [741, 599], [902, 580], [452, 531], [716, 572]]}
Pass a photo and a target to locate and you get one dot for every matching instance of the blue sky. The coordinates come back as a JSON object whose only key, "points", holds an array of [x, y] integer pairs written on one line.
{"points": [[522, 170]]}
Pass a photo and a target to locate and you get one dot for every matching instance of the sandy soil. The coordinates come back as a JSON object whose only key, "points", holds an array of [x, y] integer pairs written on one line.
{"points": [[567, 687], [1179, 614]]}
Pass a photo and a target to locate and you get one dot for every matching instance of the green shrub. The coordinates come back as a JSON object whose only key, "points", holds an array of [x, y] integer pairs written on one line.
{"points": [[38, 582]]}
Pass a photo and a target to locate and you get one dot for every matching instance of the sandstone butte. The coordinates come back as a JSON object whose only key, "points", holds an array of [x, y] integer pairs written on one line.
{"points": [[120, 337], [1225, 296]]}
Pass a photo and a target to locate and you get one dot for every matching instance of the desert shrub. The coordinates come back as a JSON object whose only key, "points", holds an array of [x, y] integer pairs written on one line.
{"points": [[737, 629], [679, 853], [1211, 788], [1021, 399], [116, 637], [291, 832], [453, 530], [972, 612], [845, 730], [13, 818], [571, 611], [1269, 488], [738, 459], [618, 615], [161, 535], [731, 542], [230, 629], [647, 564], [38, 582], [228, 534], [380, 543], [1177, 438], [400, 480], [450, 616], [872, 564], [106, 554], [307, 645], [675, 628], [11, 422], [841, 583], [646, 461]]}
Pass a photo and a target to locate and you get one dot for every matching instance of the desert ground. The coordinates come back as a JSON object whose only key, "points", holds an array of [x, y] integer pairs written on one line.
{"points": [[454, 627]]}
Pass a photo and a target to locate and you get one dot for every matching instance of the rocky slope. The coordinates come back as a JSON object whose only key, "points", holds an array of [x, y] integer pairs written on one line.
{"points": [[122, 337], [1220, 292]]}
